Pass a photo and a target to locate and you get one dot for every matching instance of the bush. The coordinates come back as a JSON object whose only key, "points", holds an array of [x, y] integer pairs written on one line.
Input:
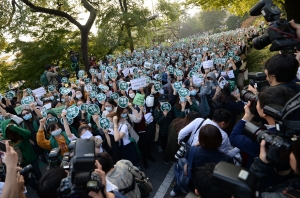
{"points": [[257, 58]]}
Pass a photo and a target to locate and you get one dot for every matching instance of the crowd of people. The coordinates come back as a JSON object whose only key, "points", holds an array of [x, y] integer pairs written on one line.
{"points": [[187, 91]]}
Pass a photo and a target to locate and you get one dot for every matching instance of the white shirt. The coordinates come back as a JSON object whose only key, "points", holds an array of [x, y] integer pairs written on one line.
{"points": [[191, 128], [123, 128]]}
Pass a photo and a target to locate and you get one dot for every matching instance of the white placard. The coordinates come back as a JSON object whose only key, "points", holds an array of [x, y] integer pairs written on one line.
{"points": [[48, 106], [223, 73], [125, 72], [39, 92], [208, 64], [156, 66], [147, 65], [230, 74], [197, 80], [137, 83]]}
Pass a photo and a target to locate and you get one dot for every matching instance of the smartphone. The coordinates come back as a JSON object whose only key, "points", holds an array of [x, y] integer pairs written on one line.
{"points": [[2, 146]]}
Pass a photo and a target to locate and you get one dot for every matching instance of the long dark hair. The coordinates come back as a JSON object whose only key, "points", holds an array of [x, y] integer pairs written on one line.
{"points": [[180, 123], [27, 122], [225, 95]]}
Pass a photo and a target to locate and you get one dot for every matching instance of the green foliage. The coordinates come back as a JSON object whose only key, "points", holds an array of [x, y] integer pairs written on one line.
{"points": [[33, 56], [257, 58], [233, 22]]}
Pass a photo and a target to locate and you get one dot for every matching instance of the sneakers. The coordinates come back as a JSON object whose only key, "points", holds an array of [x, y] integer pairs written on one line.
{"points": [[172, 193], [159, 149]]}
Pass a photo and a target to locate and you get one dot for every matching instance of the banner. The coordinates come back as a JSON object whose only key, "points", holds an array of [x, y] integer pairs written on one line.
{"points": [[39, 92]]}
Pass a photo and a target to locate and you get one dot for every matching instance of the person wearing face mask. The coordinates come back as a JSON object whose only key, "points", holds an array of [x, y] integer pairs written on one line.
{"points": [[183, 106], [121, 134], [131, 94], [58, 138], [31, 123], [84, 132], [20, 139], [109, 106], [163, 119], [229, 98]]}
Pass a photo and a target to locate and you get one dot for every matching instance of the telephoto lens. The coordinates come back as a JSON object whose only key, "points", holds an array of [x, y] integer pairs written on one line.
{"points": [[27, 169]]}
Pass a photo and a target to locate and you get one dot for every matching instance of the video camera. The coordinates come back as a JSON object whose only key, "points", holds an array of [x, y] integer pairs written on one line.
{"points": [[81, 164], [287, 129], [227, 175], [279, 33]]}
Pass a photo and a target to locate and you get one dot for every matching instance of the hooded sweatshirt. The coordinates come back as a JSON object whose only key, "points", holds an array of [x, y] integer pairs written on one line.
{"points": [[24, 145]]}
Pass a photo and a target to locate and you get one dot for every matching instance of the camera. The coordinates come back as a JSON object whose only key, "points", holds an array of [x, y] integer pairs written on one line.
{"points": [[26, 170], [54, 158], [249, 96], [235, 180], [81, 164], [181, 151], [279, 33], [287, 129]]}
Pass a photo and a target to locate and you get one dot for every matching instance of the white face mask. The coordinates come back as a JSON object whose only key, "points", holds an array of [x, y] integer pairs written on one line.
{"points": [[111, 125], [109, 109], [78, 96], [132, 95], [211, 81], [56, 132]]}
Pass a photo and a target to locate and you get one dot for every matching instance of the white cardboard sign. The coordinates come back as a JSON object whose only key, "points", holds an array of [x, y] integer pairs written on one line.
{"points": [[39, 92], [125, 72], [208, 64], [147, 65], [137, 83], [197, 80], [230, 74]]}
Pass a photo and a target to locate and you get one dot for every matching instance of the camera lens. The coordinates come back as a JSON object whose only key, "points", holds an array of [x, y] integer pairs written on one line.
{"points": [[261, 42]]}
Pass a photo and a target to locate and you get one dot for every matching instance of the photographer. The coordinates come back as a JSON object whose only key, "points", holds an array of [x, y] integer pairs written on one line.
{"points": [[278, 95], [281, 70], [74, 59], [51, 74], [264, 170]]}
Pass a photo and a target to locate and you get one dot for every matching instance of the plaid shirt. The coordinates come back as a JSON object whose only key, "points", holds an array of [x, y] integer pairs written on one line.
{"points": [[122, 178], [163, 121]]}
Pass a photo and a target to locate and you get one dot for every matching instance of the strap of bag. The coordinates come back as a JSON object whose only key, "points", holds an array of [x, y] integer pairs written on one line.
{"points": [[192, 136], [129, 188], [190, 159]]}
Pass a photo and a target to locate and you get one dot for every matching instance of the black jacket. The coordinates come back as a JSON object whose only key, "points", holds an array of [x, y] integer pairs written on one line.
{"points": [[269, 181]]}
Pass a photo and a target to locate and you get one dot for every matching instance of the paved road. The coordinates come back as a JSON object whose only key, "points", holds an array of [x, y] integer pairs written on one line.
{"points": [[161, 176]]}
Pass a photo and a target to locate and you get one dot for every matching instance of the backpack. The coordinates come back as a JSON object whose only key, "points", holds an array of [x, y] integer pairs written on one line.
{"points": [[44, 80], [183, 169], [139, 178]]}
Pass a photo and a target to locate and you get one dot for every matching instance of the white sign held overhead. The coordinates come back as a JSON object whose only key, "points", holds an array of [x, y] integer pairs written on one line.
{"points": [[197, 80], [230, 74], [39, 92], [208, 64], [125, 72], [137, 83], [131, 70]]}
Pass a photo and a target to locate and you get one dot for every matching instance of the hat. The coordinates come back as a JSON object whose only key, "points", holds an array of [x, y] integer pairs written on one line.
{"points": [[164, 77], [163, 98]]}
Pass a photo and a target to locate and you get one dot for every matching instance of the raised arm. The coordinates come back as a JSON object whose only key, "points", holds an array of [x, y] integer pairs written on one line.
{"points": [[36, 110], [40, 136]]}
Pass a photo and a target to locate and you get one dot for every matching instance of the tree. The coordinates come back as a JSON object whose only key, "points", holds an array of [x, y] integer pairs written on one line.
{"points": [[240, 7], [233, 22], [20, 17]]}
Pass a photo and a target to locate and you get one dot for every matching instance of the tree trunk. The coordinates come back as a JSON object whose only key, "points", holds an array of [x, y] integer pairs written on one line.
{"points": [[292, 10], [84, 49], [130, 39]]}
